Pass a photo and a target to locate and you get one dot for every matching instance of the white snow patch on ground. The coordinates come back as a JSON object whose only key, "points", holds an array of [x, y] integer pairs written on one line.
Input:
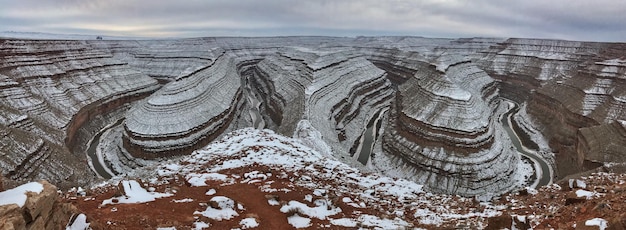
{"points": [[584, 193], [601, 223], [211, 192], [345, 222], [80, 223], [374, 221], [18, 195], [186, 200], [134, 193], [224, 211], [576, 183], [248, 223], [199, 179], [299, 222], [321, 211], [201, 225], [428, 217]]}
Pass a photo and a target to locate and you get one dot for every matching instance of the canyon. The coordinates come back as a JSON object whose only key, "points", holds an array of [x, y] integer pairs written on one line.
{"points": [[75, 112]]}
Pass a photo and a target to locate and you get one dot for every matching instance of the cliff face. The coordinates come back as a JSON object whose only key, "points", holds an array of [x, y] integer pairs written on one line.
{"points": [[431, 106], [49, 90], [446, 125], [568, 86], [186, 113]]}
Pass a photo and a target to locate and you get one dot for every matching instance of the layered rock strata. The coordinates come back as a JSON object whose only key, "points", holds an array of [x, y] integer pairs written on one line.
{"points": [[57, 95], [444, 126], [49, 90], [346, 91], [186, 113]]}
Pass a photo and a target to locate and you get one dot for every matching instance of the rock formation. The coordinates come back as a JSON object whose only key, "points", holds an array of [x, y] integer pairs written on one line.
{"points": [[444, 127], [437, 100], [185, 114], [49, 90], [35, 205], [567, 85]]}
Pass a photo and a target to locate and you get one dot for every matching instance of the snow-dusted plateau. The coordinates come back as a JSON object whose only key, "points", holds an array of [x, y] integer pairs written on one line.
{"points": [[315, 132]]}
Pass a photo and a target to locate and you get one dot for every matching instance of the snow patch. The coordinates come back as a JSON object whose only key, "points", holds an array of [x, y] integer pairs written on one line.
{"points": [[134, 193], [211, 192], [321, 211], [199, 180], [584, 193], [299, 222], [18, 195], [248, 223], [601, 223], [80, 223], [225, 209]]}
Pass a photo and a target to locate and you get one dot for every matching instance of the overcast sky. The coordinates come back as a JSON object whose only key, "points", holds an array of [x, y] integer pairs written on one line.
{"points": [[591, 20]]}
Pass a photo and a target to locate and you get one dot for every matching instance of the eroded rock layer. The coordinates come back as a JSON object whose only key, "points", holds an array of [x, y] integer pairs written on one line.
{"points": [[568, 86], [49, 90], [445, 124], [185, 114], [437, 98]]}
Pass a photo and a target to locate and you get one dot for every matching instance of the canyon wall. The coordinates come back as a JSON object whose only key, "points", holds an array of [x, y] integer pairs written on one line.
{"points": [[440, 97], [49, 90], [568, 86]]}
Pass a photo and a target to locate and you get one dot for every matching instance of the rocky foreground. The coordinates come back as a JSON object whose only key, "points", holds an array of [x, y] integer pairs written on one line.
{"points": [[253, 179]]}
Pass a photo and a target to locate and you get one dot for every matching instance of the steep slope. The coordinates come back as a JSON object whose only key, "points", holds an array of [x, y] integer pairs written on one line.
{"points": [[186, 113], [567, 85], [50, 90], [444, 131]]}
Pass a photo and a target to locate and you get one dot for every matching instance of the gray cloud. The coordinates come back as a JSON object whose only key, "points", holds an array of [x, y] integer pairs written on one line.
{"points": [[599, 20]]}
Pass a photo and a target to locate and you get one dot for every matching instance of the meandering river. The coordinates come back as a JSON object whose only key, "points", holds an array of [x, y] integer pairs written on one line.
{"points": [[369, 138], [544, 171], [97, 161]]}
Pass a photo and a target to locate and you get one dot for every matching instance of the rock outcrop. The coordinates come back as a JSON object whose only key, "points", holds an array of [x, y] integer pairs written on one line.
{"points": [[444, 129], [35, 205], [185, 114]]}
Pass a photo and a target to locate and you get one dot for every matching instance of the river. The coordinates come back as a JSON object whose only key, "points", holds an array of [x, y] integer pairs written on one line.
{"points": [[369, 138], [544, 171], [97, 161]]}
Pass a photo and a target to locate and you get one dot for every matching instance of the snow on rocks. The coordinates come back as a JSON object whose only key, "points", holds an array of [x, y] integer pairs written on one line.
{"points": [[329, 200], [321, 210], [80, 223], [452, 144], [18, 195], [299, 222], [184, 114], [221, 208], [249, 222], [601, 223], [134, 193]]}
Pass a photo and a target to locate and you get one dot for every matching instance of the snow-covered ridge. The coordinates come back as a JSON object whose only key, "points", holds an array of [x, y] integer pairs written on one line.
{"points": [[335, 194], [179, 117], [453, 137]]}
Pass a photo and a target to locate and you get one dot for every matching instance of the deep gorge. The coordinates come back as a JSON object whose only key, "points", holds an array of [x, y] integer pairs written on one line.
{"points": [[441, 128]]}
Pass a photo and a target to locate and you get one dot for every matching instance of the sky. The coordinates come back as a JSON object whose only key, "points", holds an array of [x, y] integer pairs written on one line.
{"points": [[584, 20]]}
